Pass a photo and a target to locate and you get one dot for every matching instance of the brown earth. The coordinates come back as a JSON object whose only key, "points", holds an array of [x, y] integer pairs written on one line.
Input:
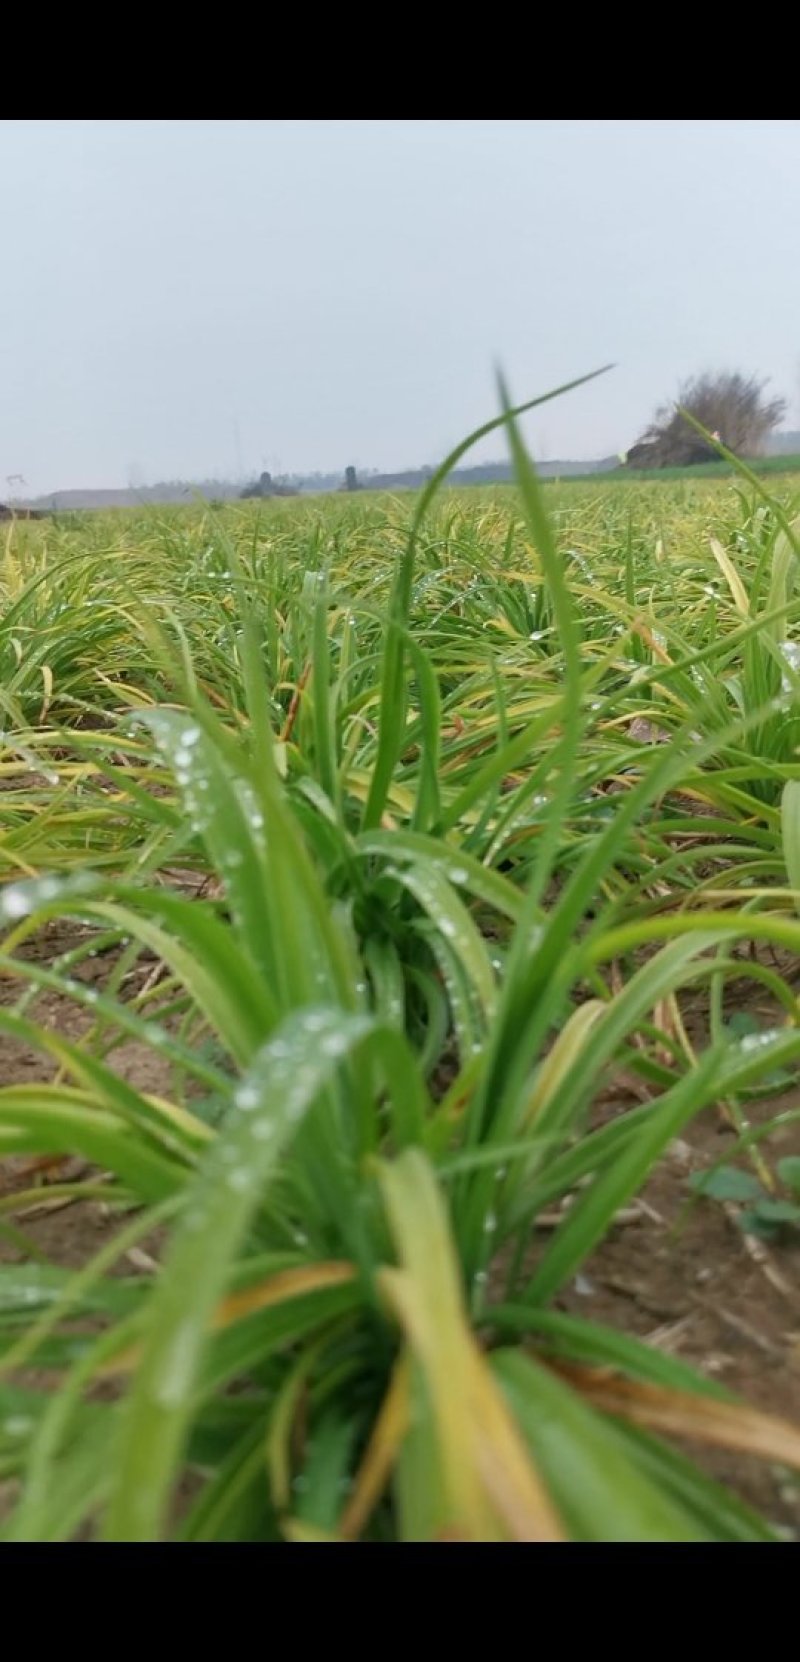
{"points": [[687, 1279]]}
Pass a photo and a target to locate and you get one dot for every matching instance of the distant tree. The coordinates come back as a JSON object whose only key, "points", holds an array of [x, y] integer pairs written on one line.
{"points": [[350, 480], [732, 407], [267, 486]]}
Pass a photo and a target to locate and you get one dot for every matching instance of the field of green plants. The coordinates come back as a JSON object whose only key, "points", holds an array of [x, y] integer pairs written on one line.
{"points": [[391, 832]]}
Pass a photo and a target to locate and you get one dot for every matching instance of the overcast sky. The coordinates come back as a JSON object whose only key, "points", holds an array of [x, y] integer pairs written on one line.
{"points": [[183, 299]]}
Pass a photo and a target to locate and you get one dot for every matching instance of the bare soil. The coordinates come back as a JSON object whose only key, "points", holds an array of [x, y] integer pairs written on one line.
{"points": [[688, 1280]]}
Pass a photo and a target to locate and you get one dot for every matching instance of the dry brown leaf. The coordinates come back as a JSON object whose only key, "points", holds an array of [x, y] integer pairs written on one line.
{"points": [[373, 1474], [285, 1284], [275, 1289], [680, 1414]]}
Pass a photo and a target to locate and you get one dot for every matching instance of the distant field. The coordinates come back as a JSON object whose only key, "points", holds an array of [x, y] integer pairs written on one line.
{"points": [[766, 466], [400, 925], [83, 591]]}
